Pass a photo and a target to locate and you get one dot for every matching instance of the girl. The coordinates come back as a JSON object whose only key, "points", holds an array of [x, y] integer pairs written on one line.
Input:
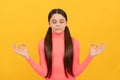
{"points": [[59, 52]]}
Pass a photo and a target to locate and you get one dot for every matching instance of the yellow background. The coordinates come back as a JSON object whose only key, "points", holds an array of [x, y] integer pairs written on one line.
{"points": [[90, 21]]}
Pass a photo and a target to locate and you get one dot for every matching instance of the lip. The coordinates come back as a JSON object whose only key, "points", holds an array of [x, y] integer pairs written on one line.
{"points": [[57, 28]]}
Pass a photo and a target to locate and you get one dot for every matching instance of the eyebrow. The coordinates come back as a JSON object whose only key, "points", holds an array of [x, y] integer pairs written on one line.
{"points": [[53, 19], [56, 20]]}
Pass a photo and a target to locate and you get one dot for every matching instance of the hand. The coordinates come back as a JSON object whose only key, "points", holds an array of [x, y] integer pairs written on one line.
{"points": [[95, 49], [21, 49]]}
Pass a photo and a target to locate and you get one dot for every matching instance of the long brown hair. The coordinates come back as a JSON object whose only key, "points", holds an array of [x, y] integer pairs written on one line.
{"points": [[68, 53]]}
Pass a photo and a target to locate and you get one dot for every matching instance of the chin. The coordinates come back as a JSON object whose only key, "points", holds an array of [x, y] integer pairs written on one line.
{"points": [[58, 32]]}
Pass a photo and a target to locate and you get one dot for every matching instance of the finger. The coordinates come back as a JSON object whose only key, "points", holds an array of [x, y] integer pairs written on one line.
{"points": [[24, 47], [101, 50], [21, 46], [102, 47], [93, 44], [96, 46], [16, 49], [14, 46]]}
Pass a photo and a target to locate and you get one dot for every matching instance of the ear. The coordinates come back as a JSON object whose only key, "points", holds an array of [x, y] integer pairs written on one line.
{"points": [[49, 23], [66, 24]]}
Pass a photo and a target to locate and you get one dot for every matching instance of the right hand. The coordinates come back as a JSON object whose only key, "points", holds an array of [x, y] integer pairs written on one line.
{"points": [[22, 50]]}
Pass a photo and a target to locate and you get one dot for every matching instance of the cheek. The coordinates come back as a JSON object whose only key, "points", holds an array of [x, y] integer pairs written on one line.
{"points": [[49, 24], [64, 25], [52, 26]]}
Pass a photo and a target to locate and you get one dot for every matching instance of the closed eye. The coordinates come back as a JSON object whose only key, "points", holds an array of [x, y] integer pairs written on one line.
{"points": [[53, 22]]}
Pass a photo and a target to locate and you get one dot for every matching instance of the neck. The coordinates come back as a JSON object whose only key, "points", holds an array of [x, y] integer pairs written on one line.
{"points": [[58, 35]]}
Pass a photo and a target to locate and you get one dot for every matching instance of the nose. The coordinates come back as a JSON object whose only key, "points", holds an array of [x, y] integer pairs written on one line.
{"points": [[58, 24]]}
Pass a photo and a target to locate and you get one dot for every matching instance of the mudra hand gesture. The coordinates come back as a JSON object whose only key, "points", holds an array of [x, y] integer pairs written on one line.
{"points": [[21, 49], [95, 49]]}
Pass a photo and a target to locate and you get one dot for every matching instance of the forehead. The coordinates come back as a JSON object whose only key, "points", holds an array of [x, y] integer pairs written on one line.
{"points": [[57, 17]]}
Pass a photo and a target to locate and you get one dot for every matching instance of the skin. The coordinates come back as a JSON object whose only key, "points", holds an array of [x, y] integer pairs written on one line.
{"points": [[58, 23]]}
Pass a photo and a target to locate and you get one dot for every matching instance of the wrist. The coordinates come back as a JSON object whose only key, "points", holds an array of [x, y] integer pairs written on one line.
{"points": [[27, 57], [91, 55]]}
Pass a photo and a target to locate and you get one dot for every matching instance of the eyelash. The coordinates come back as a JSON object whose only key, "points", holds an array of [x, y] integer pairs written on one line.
{"points": [[61, 22], [55, 22]]}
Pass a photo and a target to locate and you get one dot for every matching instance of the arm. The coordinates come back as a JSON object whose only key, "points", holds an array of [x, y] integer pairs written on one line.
{"points": [[39, 68], [77, 66]]}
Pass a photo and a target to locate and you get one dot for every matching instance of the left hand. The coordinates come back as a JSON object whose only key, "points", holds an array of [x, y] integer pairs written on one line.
{"points": [[95, 49]]}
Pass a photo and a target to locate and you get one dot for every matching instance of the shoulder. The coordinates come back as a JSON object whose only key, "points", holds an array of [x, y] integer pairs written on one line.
{"points": [[76, 46], [41, 43], [75, 41]]}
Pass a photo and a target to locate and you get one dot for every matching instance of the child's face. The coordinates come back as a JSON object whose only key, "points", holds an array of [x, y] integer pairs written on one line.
{"points": [[57, 23]]}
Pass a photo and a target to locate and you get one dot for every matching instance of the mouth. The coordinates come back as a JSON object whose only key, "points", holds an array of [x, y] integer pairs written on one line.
{"points": [[57, 28]]}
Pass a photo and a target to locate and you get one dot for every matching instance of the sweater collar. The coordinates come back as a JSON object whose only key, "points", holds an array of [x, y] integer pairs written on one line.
{"points": [[58, 35]]}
